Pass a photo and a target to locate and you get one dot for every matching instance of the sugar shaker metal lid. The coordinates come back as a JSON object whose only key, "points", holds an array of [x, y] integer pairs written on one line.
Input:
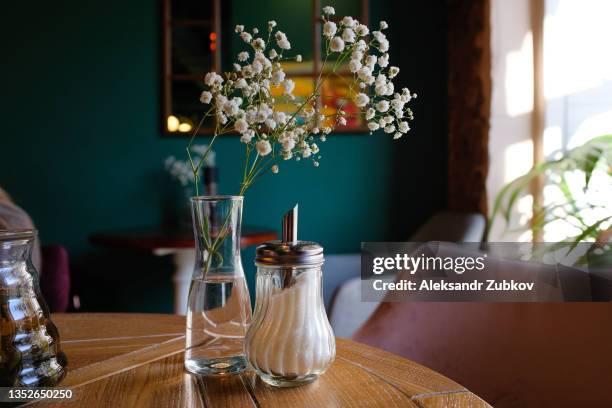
{"points": [[289, 251]]}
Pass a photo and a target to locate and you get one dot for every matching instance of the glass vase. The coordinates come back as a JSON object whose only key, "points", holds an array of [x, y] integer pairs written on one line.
{"points": [[219, 306], [30, 353]]}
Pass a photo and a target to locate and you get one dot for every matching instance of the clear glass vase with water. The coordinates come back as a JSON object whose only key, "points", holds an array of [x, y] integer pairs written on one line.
{"points": [[219, 308]]}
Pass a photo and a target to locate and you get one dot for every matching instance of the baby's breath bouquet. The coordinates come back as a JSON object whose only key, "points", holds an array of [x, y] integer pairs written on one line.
{"points": [[242, 101]]}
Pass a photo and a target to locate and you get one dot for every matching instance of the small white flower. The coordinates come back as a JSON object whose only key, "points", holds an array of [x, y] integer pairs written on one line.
{"points": [[397, 135], [273, 54], [280, 117], [362, 30], [213, 78], [373, 126], [364, 73], [278, 77], [383, 46], [274, 169], [263, 147], [255, 30], [329, 29], [403, 127], [348, 21], [259, 44], [241, 83], [298, 58], [342, 121], [314, 148], [247, 136], [315, 163], [354, 65], [382, 106], [361, 100], [329, 10], [241, 126], [246, 37], [239, 28], [288, 86], [205, 97], [393, 71], [348, 35], [370, 62], [383, 60], [384, 25], [271, 24], [270, 123], [370, 113], [389, 129], [306, 152], [287, 155], [284, 44]]}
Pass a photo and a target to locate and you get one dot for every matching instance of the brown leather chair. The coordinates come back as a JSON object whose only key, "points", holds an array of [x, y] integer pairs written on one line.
{"points": [[511, 354]]}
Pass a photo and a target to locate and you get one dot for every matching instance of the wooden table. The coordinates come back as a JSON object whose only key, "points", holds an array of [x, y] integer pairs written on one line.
{"points": [[136, 360], [176, 242]]}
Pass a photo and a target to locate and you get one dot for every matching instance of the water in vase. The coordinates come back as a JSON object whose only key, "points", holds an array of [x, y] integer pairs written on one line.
{"points": [[217, 320]]}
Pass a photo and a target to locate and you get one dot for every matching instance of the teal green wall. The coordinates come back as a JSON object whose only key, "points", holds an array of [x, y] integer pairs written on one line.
{"points": [[81, 149]]}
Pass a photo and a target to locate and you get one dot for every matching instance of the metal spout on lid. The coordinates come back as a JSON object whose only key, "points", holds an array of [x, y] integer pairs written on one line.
{"points": [[290, 226]]}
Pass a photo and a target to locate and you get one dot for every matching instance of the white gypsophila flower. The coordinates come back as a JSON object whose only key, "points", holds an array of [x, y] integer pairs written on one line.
{"points": [[362, 30], [378, 36], [348, 35], [212, 79], [263, 147], [241, 83], [348, 21], [383, 46], [287, 155], [306, 152], [373, 126], [279, 117], [278, 77], [288, 86], [274, 169], [281, 41], [239, 28], [393, 71], [255, 30], [273, 54], [384, 25], [259, 44], [243, 56], [241, 126], [342, 121], [382, 123], [370, 62], [403, 127], [389, 129], [329, 10], [380, 89], [329, 29], [354, 65], [362, 85], [364, 73], [205, 97], [361, 100], [315, 163], [270, 123], [247, 71], [388, 119], [383, 60], [315, 130], [323, 138], [288, 144], [298, 58], [360, 46], [271, 24], [370, 113], [382, 106], [397, 135], [314, 148], [246, 37]]}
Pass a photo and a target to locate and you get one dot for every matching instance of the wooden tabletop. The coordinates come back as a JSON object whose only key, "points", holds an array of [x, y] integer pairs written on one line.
{"points": [[136, 360], [154, 238]]}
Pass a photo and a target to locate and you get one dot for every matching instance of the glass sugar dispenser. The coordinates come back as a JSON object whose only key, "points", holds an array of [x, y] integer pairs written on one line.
{"points": [[290, 341]]}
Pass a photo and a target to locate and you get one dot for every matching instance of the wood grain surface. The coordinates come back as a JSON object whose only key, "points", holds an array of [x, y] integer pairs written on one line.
{"points": [[136, 360]]}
